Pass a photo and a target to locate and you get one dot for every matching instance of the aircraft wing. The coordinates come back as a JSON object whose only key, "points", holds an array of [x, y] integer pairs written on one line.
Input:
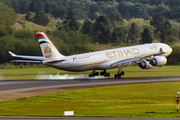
{"points": [[131, 61], [127, 62], [29, 59]]}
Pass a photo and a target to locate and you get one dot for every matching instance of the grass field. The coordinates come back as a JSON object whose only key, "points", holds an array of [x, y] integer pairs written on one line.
{"points": [[132, 71], [144, 100]]}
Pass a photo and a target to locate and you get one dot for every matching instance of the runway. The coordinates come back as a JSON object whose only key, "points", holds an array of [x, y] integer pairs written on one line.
{"points": [[8, 86], [14, 89]]}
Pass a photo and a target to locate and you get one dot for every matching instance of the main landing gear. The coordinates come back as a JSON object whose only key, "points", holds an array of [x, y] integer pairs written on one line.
{"points": [[104, 73], [122, 73]]}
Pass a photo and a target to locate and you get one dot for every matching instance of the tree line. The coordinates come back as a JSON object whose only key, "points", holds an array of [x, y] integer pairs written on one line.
{"points": [[93, 8], [72, 37]]}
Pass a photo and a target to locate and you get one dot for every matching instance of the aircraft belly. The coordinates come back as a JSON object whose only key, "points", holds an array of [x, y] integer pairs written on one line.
{"points": [[82, 66], [77, 66]]}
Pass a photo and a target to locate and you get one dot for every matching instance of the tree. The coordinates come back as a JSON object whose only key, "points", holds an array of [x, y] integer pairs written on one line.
{"points": [[41, 18], [7, 16], [133, 34], [101, 28], [124, 9], [7, 19], [166, 33], [58, 10], [158, 21], [87, 27], [114, 36], [121, 34], [16, 6], [93, 10], [105, 36], [48, 8], [70, 22], [146, 36], [37, 5], [28, 16], [116, 17]]}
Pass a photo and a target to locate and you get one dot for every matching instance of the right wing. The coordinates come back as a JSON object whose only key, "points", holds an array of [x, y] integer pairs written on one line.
{"points": [[131, 61], [28, 59], [127, 62]]}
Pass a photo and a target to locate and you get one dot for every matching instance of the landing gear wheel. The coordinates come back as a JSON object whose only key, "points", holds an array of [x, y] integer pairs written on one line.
{"points": [[119, 76], [108, 74], [101, 73], [105, 74], [97, 74], [90, 75], [115, 76], [122, 73]]}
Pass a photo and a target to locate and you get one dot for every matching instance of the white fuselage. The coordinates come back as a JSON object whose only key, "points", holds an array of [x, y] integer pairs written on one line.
{"points": [[103, 59]]}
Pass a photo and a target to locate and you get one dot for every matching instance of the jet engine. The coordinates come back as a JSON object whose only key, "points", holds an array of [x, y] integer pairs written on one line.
{"points": [[145, 65], [158, 61]]}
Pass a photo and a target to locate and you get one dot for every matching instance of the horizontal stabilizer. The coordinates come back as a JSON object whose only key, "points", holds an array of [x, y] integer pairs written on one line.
{"points": [[25, 61], [34, 58]]}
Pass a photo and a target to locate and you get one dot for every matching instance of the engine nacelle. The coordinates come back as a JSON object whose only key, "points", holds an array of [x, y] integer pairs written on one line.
{"points": [[158, 61], [145, 65]]}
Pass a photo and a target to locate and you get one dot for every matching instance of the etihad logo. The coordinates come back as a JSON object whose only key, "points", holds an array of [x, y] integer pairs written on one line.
{"points": [[47, 52], [121, 53]]}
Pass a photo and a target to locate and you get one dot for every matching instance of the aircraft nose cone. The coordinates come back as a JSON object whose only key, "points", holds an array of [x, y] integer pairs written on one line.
{"points": [[167, 50]]}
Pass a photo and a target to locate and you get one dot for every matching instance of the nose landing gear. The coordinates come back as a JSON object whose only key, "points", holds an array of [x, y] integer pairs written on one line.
{"points": [[120, 73]]}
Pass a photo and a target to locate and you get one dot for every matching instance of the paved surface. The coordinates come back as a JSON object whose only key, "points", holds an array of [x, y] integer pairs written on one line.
{"points": [[8, 86]]}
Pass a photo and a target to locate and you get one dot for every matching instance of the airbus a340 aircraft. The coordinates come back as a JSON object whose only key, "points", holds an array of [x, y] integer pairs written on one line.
{"points": [[146, 56]]}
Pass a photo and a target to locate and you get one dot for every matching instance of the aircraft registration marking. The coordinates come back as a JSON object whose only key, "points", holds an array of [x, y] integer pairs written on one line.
{"points": [[82, 57]]}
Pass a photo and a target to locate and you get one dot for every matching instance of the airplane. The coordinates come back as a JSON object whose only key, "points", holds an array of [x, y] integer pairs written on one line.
{"points": [[146, 56]]}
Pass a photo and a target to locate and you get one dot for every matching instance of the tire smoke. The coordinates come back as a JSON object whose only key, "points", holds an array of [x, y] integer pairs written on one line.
{"points": [[58, 76]]}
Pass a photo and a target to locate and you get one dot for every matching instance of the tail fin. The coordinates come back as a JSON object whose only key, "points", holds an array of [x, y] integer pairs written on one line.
{"points": [[49, 51]]}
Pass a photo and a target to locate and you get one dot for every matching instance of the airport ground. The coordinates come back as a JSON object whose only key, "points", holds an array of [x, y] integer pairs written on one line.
{"points": [[143, 94], [117, 99]]}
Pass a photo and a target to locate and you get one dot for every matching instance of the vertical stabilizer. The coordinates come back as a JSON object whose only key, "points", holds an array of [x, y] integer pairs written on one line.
{"points": [[49, 51]]}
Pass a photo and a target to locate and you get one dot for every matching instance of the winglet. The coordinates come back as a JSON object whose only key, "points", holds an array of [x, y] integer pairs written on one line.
{"points": [[12, 54]]}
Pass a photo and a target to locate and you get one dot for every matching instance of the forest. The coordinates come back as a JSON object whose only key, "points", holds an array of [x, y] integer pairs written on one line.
{"points": [[92, 8], [78, 26]]}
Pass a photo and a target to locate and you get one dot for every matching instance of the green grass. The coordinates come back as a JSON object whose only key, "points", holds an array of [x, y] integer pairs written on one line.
{"points": [[131, 71], [32, 26], [144, 100]]}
